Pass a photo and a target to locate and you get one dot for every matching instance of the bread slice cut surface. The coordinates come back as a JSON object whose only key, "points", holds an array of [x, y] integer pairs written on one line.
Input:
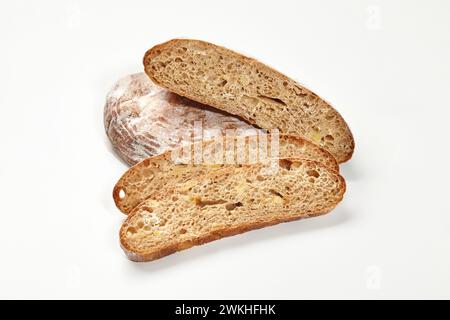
{"points": [[230, 201], [167, 170], [242, 86]]}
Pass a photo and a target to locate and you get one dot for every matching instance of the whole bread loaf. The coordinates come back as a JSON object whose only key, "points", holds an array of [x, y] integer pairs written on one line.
{"points": [[226, 202], [142, 119], [245, 87]]}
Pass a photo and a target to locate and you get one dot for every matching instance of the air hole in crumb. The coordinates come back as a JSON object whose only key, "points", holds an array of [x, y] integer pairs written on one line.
{"points": [[313, 173], [329, 137], [276, 100], [223, 83], [260, 178], [232, 206], [147, 209], [174, 198], [285, 164], [177, 59], [276, 193], [183, 231], [122, 194]]}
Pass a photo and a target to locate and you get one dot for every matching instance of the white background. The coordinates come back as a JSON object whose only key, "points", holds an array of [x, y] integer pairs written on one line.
{"points": [[383, 64]]}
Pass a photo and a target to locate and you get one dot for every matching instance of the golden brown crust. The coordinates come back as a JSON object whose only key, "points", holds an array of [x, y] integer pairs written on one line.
{"points": [[342, 156], [171, 249], [327, 158]]}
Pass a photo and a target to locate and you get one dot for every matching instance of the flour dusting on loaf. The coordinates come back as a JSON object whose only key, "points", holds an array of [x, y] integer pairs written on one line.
{"points": [[142, 119]]}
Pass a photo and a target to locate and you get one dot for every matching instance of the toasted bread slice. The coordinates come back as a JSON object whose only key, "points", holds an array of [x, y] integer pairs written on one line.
{"points": [[242, 86], [166, 170], [226, 202]]}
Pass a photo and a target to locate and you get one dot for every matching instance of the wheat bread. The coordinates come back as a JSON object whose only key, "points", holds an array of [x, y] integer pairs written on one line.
{"points": [[226, 202], [142, 119], [169, 169], [243, 86]]}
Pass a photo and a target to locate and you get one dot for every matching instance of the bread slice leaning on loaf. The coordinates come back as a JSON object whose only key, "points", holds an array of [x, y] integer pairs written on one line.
{"points": [[226, 202], [165, 171], [242, 86]]}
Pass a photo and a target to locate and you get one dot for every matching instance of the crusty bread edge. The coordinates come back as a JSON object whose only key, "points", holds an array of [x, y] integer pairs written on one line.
{"points": [[249, 60], [118, 186], [216, 235], [325, 152], [222, 233]]}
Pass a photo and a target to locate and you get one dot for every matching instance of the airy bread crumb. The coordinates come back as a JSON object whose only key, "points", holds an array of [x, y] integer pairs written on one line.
{"points": [[160, 172], [226, 202], [242, 86]]}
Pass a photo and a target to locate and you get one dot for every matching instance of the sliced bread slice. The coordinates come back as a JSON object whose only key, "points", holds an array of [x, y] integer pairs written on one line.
{"points": [[229, 201], [169, 169], [242, 86]]}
